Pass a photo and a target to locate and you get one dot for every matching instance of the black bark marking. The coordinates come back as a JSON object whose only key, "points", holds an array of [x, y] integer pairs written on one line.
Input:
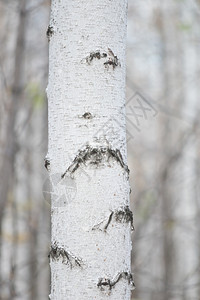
{"points": [[106, 283], [47, 163], [109, 220], [57, 253], [87, 115], [118, 157], [124, 215], [49, 32], [94, 156], [97, 54], [112, 60]]}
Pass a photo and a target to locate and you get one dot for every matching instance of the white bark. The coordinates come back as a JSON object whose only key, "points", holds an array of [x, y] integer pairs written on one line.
{"points": [[91, 222]]}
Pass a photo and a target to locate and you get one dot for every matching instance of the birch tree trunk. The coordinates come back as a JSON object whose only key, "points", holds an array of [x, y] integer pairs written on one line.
{"points": [[87, 159]]}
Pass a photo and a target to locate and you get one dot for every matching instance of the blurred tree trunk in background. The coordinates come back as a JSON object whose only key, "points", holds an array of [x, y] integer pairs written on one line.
{"points": [[24, 213], [10, 147], [16, 93], [163, 42], [172, 78]]}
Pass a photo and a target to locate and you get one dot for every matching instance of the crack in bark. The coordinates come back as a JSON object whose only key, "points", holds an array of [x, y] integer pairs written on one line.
{"points": [[109, 220], [94, 156], [104, 283], [68, 258]]}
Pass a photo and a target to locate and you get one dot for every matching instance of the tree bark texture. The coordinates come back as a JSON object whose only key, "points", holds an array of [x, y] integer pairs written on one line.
{"points": [[87, 158]]}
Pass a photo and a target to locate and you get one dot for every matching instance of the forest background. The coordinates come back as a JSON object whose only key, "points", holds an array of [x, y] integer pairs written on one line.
{"points": [[162, 114]]}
